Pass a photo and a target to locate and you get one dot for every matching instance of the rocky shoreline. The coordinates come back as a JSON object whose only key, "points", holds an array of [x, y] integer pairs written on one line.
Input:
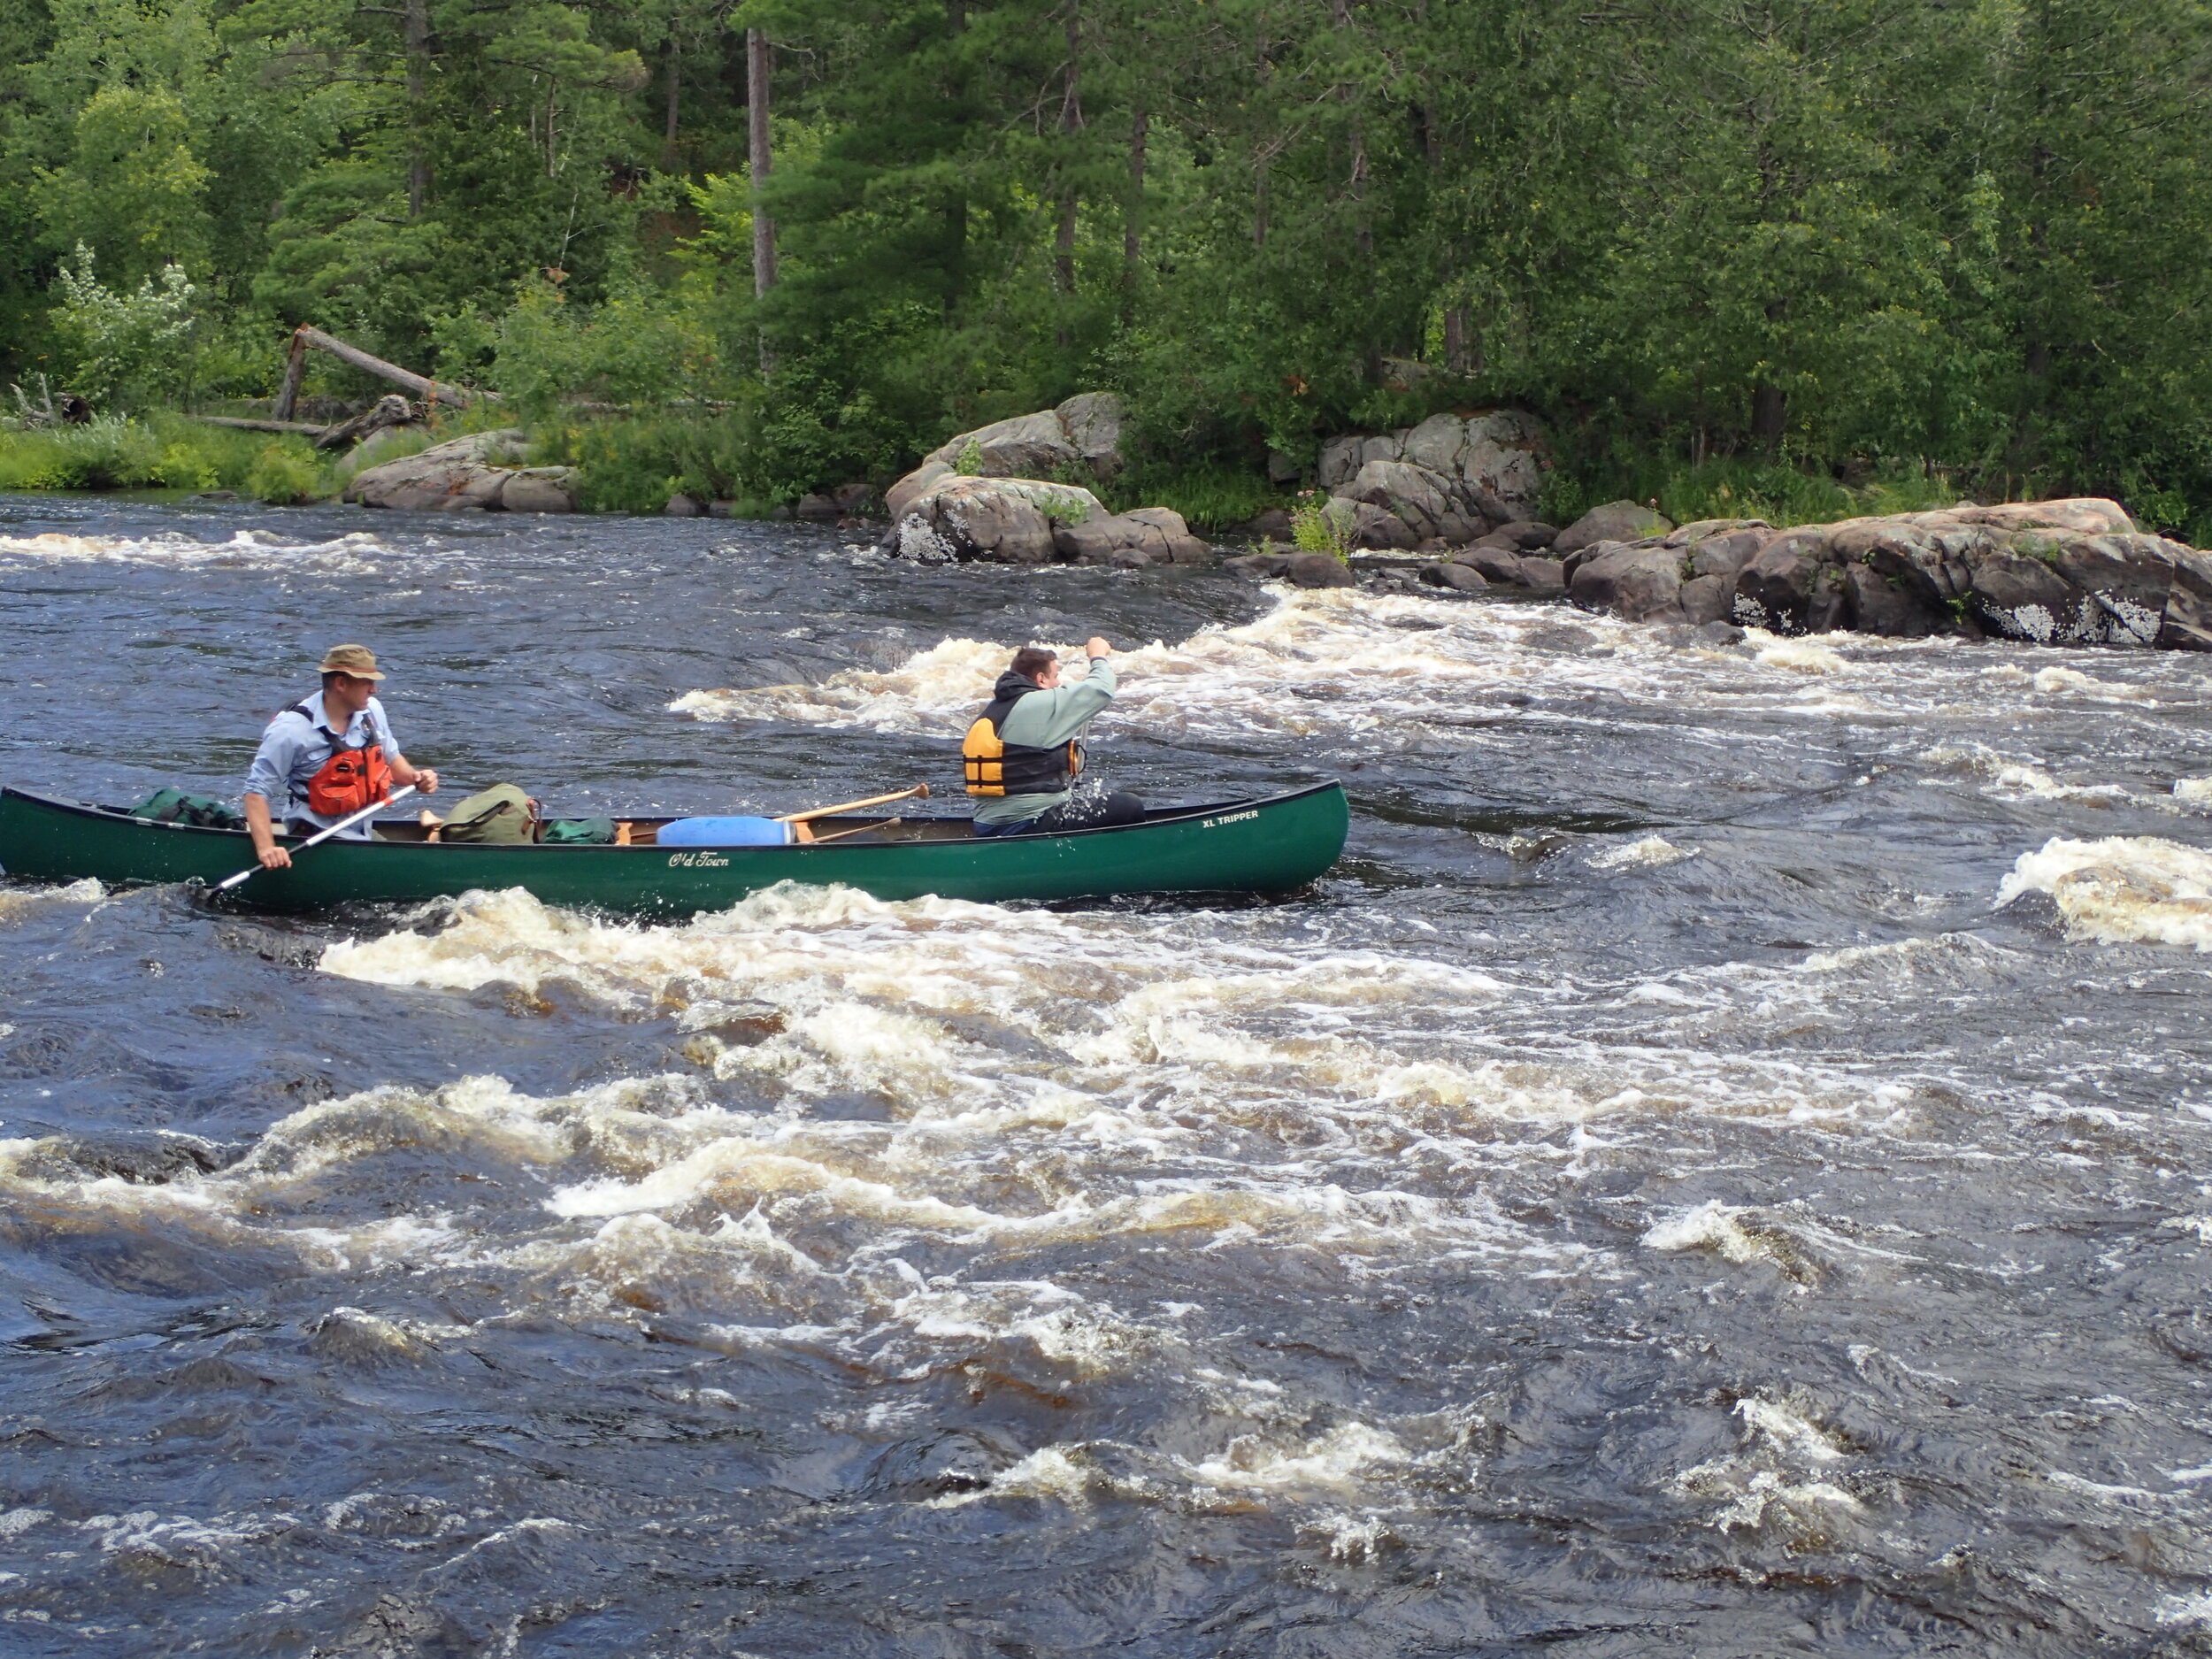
{"points": [[1448, 506]]}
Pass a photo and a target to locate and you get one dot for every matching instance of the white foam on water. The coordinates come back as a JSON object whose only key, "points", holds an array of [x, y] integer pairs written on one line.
{"points": [[356, 553], [1651, 852], [1711, 1225], [1801, 656], [2014, 777], [2122, 889], [1787, 1433], [2194, 1608], [18, 903], [1397, 672], [16, 1522], [2062, 681], [2196, 791], [1333, 1462], [1769, 1481]]}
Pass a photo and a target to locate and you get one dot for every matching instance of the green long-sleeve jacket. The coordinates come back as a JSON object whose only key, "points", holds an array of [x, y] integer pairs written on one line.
{"points": [[1040, 720]]}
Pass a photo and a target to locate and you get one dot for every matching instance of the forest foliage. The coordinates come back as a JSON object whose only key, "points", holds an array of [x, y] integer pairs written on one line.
{"points": [[1960, 238]]}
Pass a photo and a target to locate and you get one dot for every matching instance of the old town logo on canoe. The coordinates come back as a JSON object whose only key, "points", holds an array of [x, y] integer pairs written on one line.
{"points": [[697, 861]]}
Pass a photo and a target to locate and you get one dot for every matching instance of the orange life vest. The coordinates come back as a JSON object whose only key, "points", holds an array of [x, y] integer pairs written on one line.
{"points": [[351, 778]]}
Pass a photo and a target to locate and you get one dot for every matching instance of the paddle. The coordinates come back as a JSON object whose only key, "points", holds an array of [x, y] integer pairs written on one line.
{"points": [[888, 823], [320, 836], [801, 830], [921, 789]]}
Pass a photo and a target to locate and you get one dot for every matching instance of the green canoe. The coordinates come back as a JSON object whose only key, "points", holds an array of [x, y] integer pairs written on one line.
{"points": [[1265, 846]]}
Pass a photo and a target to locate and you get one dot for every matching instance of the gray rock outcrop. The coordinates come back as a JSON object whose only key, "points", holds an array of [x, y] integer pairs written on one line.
{"points": [[1006, 521], [1448, 478], [2072, 571], [1616, 521], [1085, 431], [477, 473], [1033, 521]]}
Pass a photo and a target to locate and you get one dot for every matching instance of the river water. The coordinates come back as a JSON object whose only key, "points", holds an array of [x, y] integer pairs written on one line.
{"points": [[1656, 1196]]}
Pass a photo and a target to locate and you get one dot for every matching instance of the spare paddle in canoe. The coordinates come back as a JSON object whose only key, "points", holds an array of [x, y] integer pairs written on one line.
{"points": [[320, 836], [800, 822]]}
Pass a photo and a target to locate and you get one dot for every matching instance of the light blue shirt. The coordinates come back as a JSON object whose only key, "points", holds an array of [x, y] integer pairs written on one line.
{"points": [[1045, 719], [293, 750]]}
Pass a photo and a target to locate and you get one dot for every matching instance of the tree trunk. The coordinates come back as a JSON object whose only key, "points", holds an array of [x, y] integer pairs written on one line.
{"points": [[288, 396], [417, 32], [955, 253], [1363, 233], [240, 424], [1070, 124], [1462, 354], [675, 94], [1132, 215], [759, 61], [391, 410], [429, 390], [1767, 408]]}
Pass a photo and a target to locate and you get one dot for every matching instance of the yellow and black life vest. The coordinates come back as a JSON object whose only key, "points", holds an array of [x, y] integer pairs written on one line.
{"points": [[995, 766]]}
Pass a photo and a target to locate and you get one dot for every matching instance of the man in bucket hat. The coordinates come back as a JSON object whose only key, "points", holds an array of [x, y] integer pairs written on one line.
{"points": [[326, 757]]}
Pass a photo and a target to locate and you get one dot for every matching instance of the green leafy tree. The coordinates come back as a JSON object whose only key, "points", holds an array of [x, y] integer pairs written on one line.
{"points": [[132, 189]]}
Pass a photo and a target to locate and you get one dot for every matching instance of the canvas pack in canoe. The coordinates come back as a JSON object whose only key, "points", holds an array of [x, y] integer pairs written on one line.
{"points": [[1272, 845]]}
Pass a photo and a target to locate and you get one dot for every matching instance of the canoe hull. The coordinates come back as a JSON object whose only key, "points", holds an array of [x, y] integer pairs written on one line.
{"points": [[1266, 846]]}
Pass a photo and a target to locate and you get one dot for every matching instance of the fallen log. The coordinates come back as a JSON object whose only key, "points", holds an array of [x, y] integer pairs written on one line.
{"points": [[391, 410], [244, 425], [428, 390]]}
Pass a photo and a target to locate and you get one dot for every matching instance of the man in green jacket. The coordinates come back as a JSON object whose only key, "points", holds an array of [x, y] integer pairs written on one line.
{"points": [[1023, 753]]}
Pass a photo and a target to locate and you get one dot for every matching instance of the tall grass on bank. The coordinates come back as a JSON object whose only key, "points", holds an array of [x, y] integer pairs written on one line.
{"points": [[162, 452]]}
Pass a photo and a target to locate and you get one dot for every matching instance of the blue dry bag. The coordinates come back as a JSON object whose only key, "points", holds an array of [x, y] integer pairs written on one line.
{"points": [[724, 832]]}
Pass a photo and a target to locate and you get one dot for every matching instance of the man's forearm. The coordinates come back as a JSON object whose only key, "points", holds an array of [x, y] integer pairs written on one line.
{"points": [[258, 824]]}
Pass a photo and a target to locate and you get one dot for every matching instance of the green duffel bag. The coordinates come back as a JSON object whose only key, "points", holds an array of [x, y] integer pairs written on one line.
{"points": [[578, 832], [502, 816], [174, 806]]}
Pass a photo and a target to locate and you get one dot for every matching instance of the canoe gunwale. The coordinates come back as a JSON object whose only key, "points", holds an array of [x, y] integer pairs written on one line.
{"points": [[119, 816], [1274, 844]]}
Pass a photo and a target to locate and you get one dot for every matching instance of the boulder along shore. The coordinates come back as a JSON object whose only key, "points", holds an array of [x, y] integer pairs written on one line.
{"points": [[1448, 505]]}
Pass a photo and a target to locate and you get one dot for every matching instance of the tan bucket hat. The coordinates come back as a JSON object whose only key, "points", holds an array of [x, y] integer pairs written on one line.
{"points": [[356, 660]]}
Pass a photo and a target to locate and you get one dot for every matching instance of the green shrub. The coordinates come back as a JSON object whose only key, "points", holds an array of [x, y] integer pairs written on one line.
{"points": [[635, 464], [1211, 495], [1737, 488], [285, 474], [1322, 524], [124, 346]]}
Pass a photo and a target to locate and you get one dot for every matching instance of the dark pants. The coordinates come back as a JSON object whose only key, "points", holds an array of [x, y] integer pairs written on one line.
{"points": [[1084, 811]]}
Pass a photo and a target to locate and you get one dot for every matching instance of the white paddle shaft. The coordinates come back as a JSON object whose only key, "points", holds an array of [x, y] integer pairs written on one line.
{"points": [[320, 836]]}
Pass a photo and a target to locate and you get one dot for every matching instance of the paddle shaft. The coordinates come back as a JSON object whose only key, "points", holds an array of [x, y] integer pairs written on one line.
{"points": [[888, 823], [921, 789], [320, 836]]}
